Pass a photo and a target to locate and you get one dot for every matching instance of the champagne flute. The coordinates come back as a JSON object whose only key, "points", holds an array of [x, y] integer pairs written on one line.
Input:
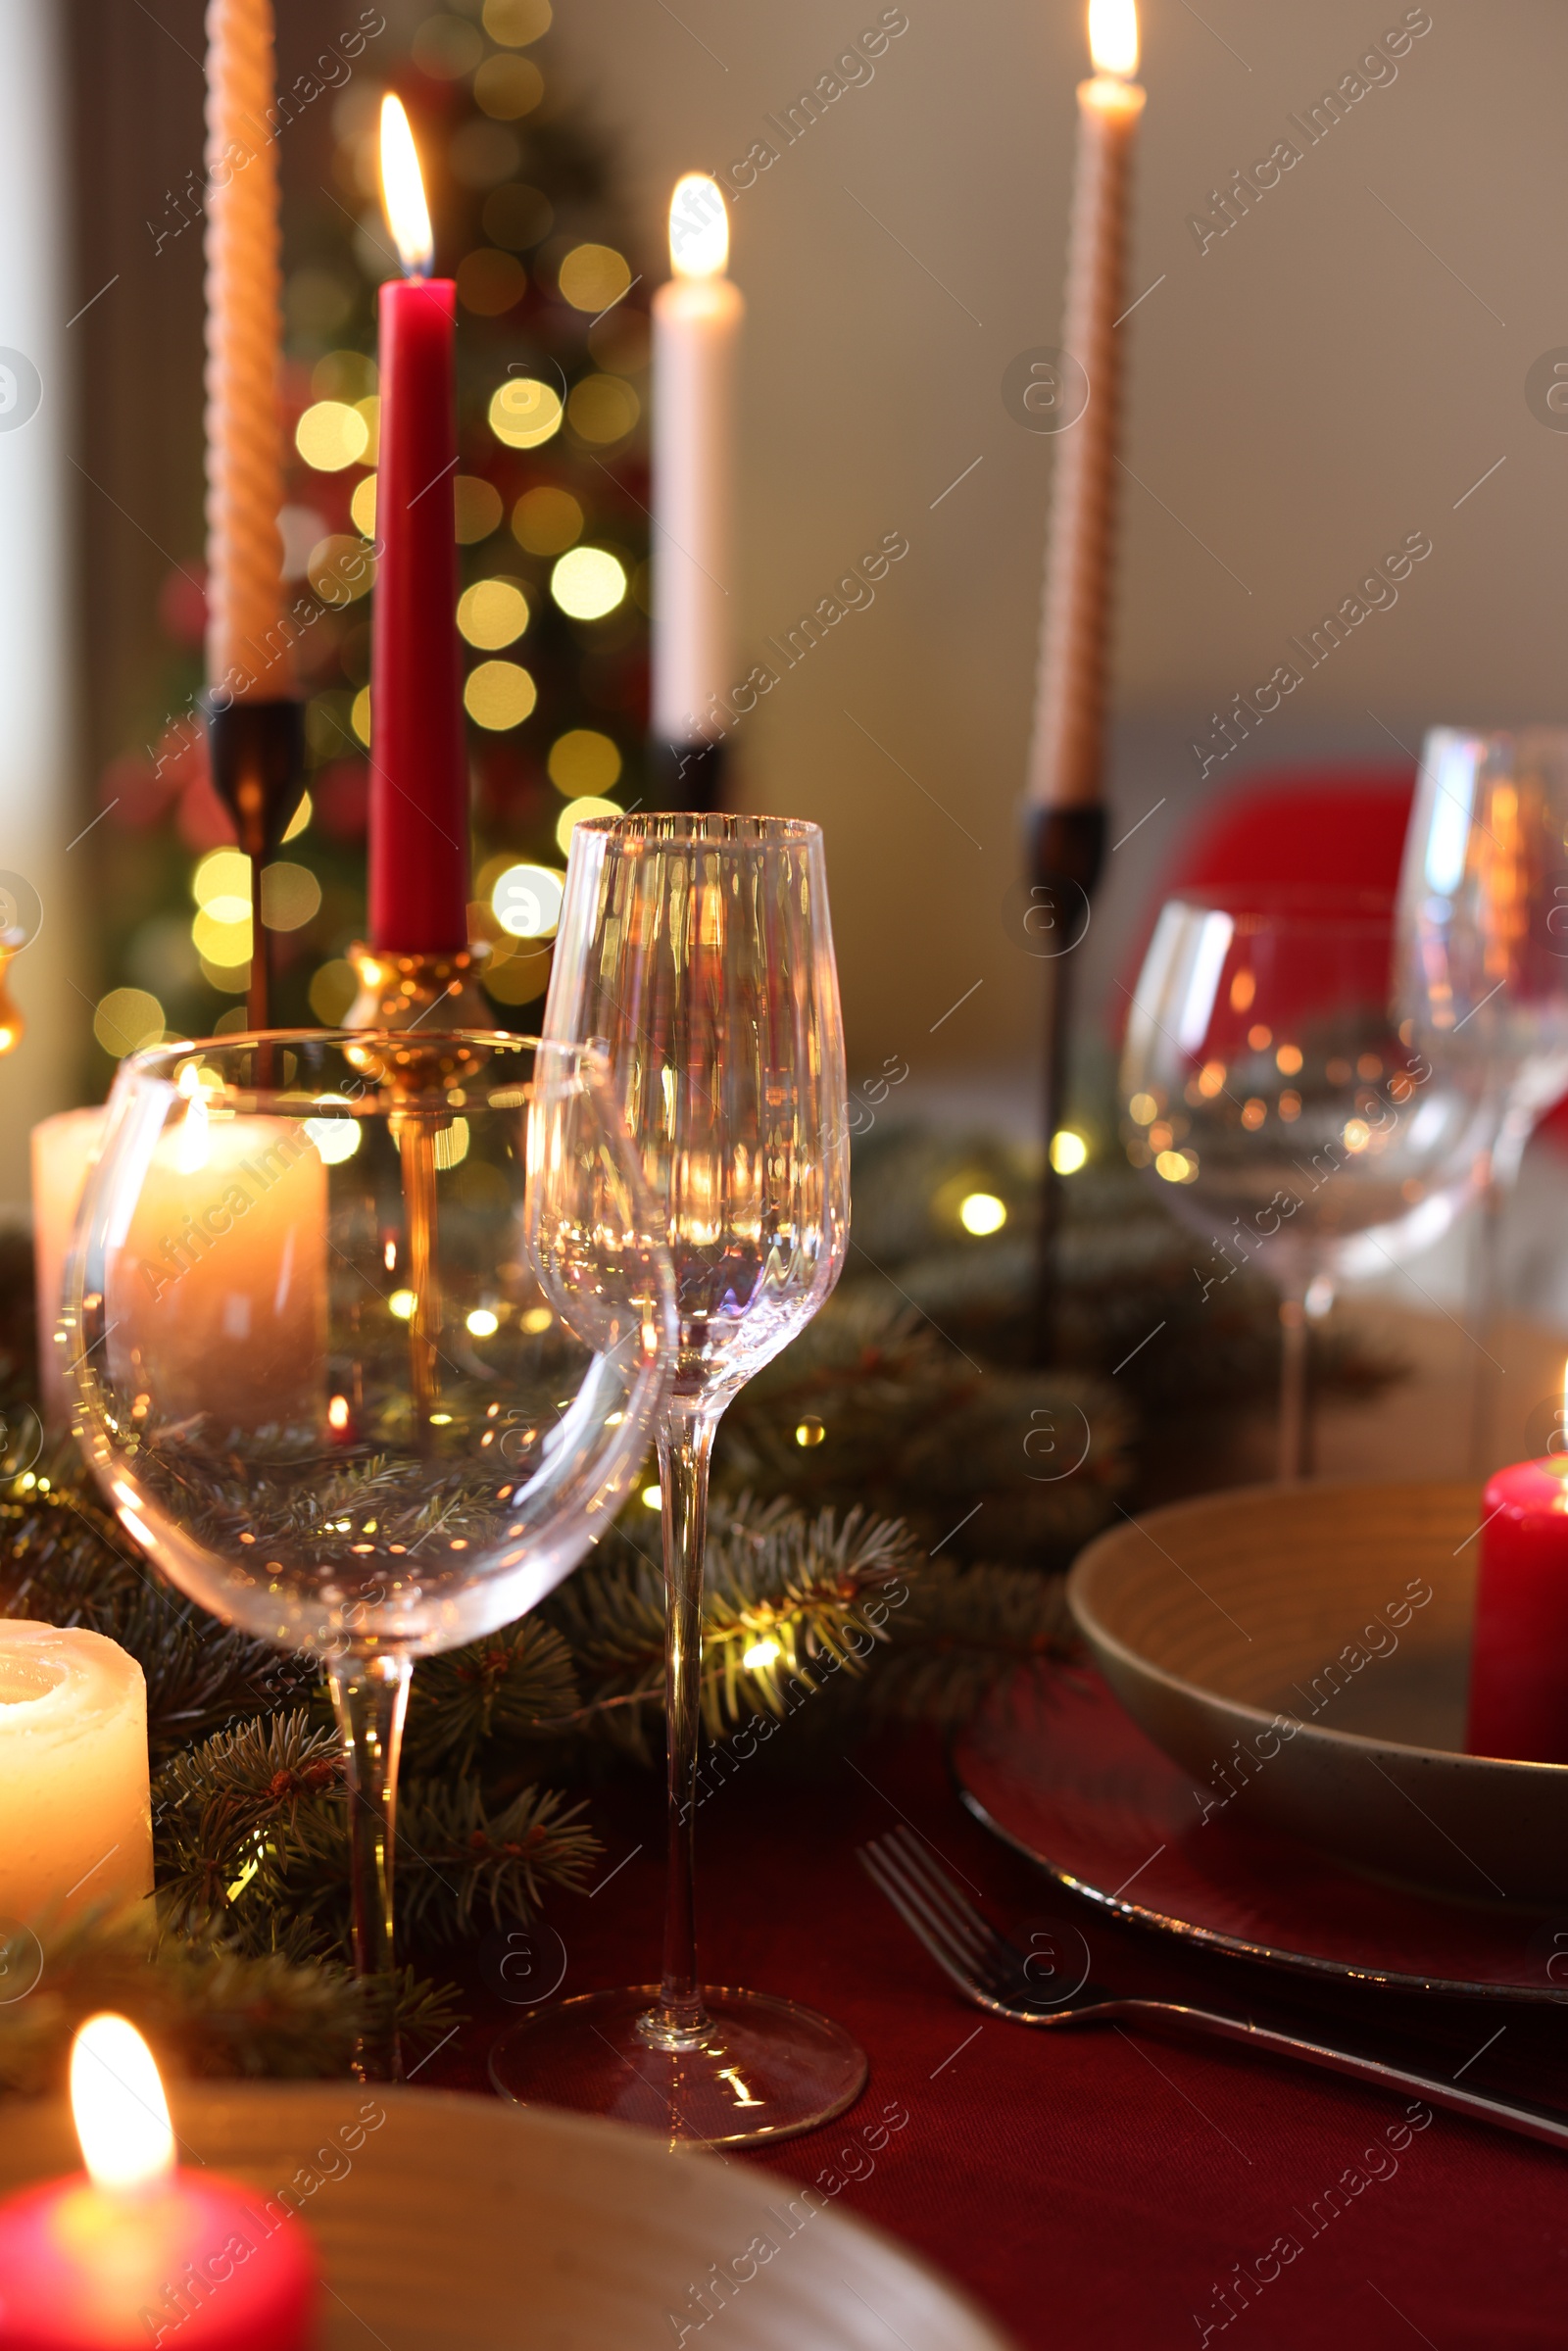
{"points": [[697, 950], [366, 1340], [1266, 1081]]}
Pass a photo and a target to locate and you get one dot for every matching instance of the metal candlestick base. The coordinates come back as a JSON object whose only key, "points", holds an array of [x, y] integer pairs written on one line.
{"points": [[686, 775], [256, 754], [1066, 850]]}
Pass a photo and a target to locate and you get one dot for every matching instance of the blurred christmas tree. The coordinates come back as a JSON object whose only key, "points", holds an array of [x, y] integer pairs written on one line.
{"points": [[548, 511]]}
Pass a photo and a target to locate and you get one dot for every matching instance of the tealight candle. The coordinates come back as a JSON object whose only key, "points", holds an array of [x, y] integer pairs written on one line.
{"points": [[136, 2251], [1519, 1655], [76, 1819]]}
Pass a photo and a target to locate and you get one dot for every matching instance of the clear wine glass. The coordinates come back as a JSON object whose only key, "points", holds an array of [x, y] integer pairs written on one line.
{"points": [[1482, 956], [697, 950], [366, 1337], [1266, 1081]]}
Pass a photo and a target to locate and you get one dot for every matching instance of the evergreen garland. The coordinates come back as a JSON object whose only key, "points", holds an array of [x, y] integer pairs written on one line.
{"points": [[887, 1496]]}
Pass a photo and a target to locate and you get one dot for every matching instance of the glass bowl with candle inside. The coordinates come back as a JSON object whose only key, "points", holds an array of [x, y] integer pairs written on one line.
{"points": [[367, 1334]]}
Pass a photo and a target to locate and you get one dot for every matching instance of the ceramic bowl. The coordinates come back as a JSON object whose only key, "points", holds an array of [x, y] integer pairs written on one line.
{"points": [[1304, 1652]]}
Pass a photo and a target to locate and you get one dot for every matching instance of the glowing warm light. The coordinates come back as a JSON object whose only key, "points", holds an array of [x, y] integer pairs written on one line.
{"points": [[1357, 1135], [362, 507], [1287, 1061], [224, 875], [525, 412], [492, 613], [588, 583], [118, 2105], [583, 761], [336, 1139], [652, 1499], [403, 1303], [1113, 37], [573, 814], [337, 1412], [594, 277], [526, 901], [331, 435], [761, 1654], [1243, 987], [299, 823], [1175, 1166], [360, 715], [408, 215], [547, 520], [498, 695], [982, 1212], [127, 1019], [451, 1145], [537, 1319], [482, 1323], [1144, 1108], [291, 896], [809, 1431], [1068, 1152], [603, 408], [699, 228]]}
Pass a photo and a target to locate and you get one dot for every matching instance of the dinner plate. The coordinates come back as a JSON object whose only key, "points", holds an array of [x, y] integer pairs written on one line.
{"points": [[448, 2223], [1059, 1767]]}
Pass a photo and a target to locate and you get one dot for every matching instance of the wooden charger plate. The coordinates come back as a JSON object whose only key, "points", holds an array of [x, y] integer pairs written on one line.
{"points": [[457, 2224]]}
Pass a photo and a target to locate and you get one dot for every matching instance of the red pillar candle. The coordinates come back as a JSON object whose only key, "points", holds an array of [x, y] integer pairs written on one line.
{"points": [[418, 765], [134, 2251], [1519, 1656]]}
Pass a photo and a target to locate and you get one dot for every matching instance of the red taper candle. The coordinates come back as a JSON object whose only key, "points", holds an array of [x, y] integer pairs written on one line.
{"points": [[418, 765], [1519, 1655]]}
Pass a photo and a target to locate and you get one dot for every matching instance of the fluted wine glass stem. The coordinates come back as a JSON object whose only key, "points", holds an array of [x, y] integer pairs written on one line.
{"points": [[370, 1697], [685, 1445]]}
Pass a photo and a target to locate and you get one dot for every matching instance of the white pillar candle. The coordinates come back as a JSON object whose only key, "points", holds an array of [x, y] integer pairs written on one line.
{"points": [[63, 1149], [696, 320], [76, 1819], [216, 1298]]}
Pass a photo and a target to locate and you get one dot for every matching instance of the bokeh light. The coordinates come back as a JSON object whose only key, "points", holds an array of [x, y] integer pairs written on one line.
{"points": [[476, 509], [509, 87], [127, 1019], [523, 411], [291, 896], [574, 813], [499, 694], [371, 410], [348, 375], [341, 569], [360, 715], [362, 507], [516, 975], [1068, 1152], [336, 1139], [588, 582], [222, 883], [593, 276], [445, 47], [547, 520], [492, 613], [516, 23], [224, 944], [526, 901], [582, 762], [331, 435], [300, 820], [603, 408], [982, 1212], [333, 990]]}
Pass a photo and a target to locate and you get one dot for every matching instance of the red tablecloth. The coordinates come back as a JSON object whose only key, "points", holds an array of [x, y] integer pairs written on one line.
{"points": [[1097, 2188]]}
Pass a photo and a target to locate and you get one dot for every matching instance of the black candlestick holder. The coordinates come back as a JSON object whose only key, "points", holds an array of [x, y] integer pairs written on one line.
{"points": [[686, 775], [1066, 849], [256, 752]]}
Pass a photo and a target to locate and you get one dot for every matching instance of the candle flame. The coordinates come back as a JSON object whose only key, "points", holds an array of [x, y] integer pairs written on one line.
{"points": [[1113, 37], [408, 215], [699, 228], [118, 2104]]}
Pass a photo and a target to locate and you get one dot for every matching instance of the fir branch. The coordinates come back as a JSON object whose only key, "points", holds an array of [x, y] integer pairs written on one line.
{"points": [[260, 1801], [498, 1687], [456, 1862]]}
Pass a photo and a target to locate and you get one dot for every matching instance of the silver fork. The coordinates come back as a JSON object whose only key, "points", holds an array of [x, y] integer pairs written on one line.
{"points": [[994, 1973]]}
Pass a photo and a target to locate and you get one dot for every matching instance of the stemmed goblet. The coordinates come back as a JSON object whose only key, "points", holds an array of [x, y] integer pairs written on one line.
{"points": [[697, 950], [366, 1337], [1484, 957], [1265, 1080]]}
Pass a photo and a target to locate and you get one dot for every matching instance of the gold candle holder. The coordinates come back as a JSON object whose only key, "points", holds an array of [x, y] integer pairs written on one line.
{"points": [[419, 998]]}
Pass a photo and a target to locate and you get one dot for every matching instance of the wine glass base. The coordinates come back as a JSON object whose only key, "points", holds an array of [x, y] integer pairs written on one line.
{"points": [[765, 2070]]}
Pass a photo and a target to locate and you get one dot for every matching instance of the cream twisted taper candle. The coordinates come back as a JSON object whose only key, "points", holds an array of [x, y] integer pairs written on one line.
{"points": [[246, 652], [1067, 754]]}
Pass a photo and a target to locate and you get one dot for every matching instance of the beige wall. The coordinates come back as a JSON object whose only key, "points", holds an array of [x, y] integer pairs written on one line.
{"points": [[1316, 384]]}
